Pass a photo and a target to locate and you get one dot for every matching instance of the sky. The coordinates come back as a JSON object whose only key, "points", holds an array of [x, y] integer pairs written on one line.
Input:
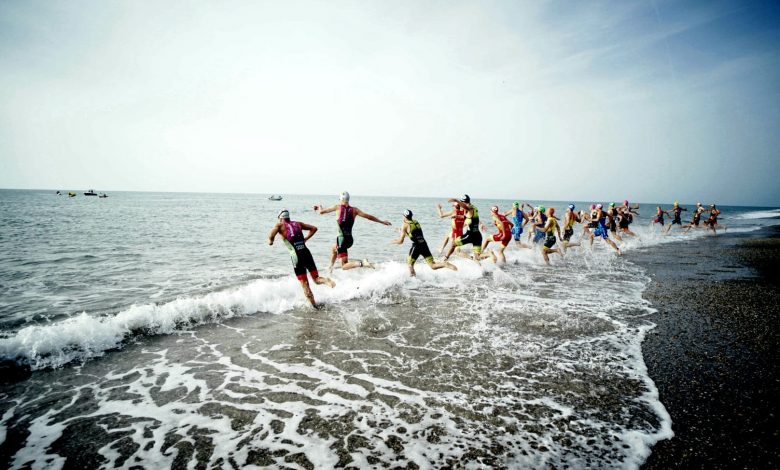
{"points": [[554, 100]]}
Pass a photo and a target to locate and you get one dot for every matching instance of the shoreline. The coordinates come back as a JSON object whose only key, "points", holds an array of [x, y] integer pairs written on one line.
{"points": [[713, 354]]}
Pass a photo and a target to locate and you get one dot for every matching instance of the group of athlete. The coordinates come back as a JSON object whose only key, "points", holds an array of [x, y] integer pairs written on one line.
{"points": [[545, 230]]}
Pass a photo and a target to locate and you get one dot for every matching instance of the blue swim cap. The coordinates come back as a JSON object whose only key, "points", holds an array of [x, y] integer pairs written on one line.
{"points": [[571, 206]]}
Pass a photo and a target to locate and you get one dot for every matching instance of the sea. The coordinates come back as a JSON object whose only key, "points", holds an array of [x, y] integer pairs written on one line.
{"points": [[160, 330]]}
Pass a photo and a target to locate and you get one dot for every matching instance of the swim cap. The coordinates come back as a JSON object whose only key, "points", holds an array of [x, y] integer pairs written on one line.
{"points": [[408, 214], [625, 203], [551, 210], [611, 204], [571, 206], [541, 208], [284, 214], [592, 206], [698, 203], [494, 209], [599, 206], [515, 204], [676, 203], [465, 198], [344, 196]]}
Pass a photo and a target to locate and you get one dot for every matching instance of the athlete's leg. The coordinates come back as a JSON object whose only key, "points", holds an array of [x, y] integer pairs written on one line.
{"points": [[307, 292], [324, 280]]}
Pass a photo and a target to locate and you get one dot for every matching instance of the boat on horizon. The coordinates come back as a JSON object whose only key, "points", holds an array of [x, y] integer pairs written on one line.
{"points": [[103, 195], [275, 197], [91, 192]]}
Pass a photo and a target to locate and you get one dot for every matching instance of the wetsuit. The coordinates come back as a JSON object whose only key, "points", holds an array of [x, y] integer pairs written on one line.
{"points": [[659, 218], [713, 220], [594, 219], [611, 215], [539, 234], [472, 235], [677, 211], [625, 219], [504, 234], [601, 227], [568, 231], [517, 219], [346, 220], [300, 255], [696, 217], [419, 245], [457, 223], [549, 240]]}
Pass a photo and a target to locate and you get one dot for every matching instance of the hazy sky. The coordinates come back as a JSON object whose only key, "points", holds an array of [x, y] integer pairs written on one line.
{"points": [[650, 100]]}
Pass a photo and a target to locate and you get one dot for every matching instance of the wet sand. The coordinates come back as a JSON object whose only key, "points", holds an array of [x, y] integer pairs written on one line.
{"points": [[714, 353]]}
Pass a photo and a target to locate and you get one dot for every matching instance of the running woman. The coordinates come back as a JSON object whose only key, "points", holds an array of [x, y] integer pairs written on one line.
{"points": [[676, 215], [419, 246], [292, 235], [696, 217], [569, 220], [472, 236], [601, 228], [345, 220], [458, 217], [659, 217], [613, 218], [712, 221], [504, 235], [550, 229], [519, 219]]}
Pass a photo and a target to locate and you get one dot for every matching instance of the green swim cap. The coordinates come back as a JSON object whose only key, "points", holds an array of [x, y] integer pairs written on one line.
{"points": [[541, 209], [515, 204], [611, 204]]}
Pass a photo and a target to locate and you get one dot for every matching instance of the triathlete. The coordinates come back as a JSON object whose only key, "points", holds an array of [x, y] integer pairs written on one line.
{"points": [[659, 216], [504, 235], [550, 229], [676, 215], [419, 246], [458, 216], [569, 220], [626, 217], [613, 216], [346, 219], [601, 228], [696, 217], [519, 219], [712, 221], [538, 221], [292, 235], [472, 236]]}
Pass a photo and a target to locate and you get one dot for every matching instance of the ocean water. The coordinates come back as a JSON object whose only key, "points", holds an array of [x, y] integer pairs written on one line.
{"points": [[161, 330]]}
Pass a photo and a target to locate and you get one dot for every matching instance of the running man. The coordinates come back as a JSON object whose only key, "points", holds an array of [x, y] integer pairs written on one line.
{"points": [[676, 216], [601, 230], [519, 219], [539, 220], [458, 216], [569, 220], [659, 218], [712, 221], [344, 241], [472, 236], [504, 235], [696, 217], [419, 246], [613, 216], [292, 235], [550, 229]]}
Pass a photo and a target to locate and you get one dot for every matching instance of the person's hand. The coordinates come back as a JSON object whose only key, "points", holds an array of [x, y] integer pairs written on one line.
{"points": [[386, 222], [270, 241]]}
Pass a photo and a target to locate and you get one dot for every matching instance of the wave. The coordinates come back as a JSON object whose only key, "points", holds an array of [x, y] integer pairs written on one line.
{"points": [[770, 214]]}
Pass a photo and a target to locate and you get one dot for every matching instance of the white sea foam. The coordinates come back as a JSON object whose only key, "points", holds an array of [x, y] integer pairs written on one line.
{"points": [[765, 214]]}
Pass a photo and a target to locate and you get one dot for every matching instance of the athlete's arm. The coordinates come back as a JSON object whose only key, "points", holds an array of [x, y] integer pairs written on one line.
{"points": [[370, 217], [273, 233], [442, 214], [403, 234], [311, 228], [324, 210]]}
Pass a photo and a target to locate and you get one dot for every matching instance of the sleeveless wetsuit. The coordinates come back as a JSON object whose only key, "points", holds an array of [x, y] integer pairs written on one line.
{"points": [[550, 234], [504, 234], [472, 235], [568, 231], [346, 220], [696, 217], [517, 219], [539, 233], [457, 223], [419, 245], [659, 218], [677, 213], [594, 219], [299, 254], [601, 228]]}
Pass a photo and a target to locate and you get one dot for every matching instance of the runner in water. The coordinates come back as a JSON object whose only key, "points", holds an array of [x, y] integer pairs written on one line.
{"points": [[419, 246], [659, 217], [613, 218], [519, 219], [676, 215], [458, 217], [626, 214], [539, 219], [569, 220], [550, 229], [696, 217], [504, 235], [346, 219], [601, 229], [292, 235], [712, 221], [472, 236]]}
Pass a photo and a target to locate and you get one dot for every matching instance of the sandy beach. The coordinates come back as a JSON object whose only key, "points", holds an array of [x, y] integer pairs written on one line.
{"points": [[714, 354]]}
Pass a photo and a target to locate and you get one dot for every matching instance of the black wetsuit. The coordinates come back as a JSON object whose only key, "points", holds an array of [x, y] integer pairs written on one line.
{"points": [[419, 245], [346, 220]]}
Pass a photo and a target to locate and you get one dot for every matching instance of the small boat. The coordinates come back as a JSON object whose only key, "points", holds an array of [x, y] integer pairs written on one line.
{"points": [[71, 194], [59, 193], [91, 192], [102, 195], [275, 197]]}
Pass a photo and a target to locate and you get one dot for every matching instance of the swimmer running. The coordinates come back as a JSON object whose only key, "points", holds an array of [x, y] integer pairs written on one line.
{"points": [[292, 235], [419, 246], [345, 220]]}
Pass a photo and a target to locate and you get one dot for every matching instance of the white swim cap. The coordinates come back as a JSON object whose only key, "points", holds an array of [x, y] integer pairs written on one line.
{"points": [[284, 214], [408, 214], [344, 196]]}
